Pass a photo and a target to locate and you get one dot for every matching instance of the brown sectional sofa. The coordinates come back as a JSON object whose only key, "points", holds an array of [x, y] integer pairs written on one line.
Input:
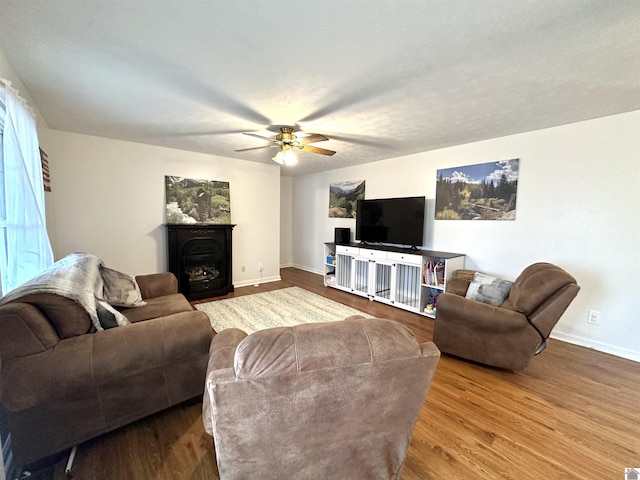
{"points": [[61, 385]]}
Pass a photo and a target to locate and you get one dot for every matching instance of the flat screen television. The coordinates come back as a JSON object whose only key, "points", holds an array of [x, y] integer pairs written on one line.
{"points": [[398, 221]]}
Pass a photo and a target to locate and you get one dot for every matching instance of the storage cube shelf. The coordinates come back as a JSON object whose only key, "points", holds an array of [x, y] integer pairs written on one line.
{"points": [[329, 265], [408, 279]]}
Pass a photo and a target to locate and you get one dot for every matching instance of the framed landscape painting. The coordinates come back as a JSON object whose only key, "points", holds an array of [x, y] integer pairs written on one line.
{"points": [[190, 200], [343, 197], [486, 191]]}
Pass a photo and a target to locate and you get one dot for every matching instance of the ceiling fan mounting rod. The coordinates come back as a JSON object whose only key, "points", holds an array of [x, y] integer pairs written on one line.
{"points": [[286, 135]]}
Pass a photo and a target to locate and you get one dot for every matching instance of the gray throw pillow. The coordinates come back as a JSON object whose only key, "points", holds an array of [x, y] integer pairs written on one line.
{"points": [[487, 289], [121, 289]]}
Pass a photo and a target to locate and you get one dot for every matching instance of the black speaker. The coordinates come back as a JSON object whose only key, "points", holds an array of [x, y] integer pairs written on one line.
{"points": [[342, 235]]}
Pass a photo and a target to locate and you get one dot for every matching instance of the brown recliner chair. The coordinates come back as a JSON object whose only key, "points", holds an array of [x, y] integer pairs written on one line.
{"points": [[329, 400], [508, 335]]}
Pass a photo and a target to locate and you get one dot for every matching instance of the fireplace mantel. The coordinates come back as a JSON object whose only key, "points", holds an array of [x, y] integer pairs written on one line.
{"points": [[200, 257]]}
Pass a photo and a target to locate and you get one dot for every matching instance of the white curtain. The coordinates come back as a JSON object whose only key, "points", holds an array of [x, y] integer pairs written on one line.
{"points": [[24, 244]]}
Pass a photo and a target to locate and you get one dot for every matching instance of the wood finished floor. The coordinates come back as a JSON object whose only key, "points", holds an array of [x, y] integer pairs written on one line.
{"points": [[573, 413]]}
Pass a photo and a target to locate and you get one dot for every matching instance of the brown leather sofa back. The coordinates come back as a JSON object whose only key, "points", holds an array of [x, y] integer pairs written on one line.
{"points": [[24, 331], [67, 317]]}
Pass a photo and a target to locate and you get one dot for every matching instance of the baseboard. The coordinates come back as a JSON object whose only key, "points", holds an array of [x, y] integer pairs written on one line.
{"points": [[599, 346], [307, 269], [257, 281]]}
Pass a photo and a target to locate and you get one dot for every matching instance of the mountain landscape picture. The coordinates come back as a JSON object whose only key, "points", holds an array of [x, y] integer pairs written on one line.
{"points": [[191, 200], [486, 191], [343, 197]]}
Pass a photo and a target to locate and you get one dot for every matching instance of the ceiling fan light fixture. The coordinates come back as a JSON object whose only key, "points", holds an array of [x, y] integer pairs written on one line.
{"points": [[287, 140], [285, 155], [289, 157], [279, 157]]}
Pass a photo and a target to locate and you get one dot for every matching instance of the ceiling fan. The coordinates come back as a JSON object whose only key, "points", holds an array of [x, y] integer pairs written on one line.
{"points": [[287, 140]]}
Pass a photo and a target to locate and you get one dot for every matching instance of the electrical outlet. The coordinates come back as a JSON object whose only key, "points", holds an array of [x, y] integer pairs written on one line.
{"points": [[594, 317], [260, 267], [243, 268]]}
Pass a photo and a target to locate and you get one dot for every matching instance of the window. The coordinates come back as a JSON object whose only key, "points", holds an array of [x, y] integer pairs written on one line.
{"points": [[24, 245]]}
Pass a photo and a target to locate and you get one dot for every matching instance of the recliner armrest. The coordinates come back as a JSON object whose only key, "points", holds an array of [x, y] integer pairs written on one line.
{"points": [[459, 310], [223, 348], [458, 286], [220, 368]]}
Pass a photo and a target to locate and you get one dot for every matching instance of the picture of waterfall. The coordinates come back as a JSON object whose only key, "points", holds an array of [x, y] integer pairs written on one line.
{"points": [[197, 201]]}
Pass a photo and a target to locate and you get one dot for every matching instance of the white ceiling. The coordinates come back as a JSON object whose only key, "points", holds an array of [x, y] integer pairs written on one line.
{"points": [[382, 79]]}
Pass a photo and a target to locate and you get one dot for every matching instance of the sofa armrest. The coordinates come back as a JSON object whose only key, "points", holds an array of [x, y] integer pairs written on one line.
{"points": [[31, 380], [157, 284], [86, 362]]}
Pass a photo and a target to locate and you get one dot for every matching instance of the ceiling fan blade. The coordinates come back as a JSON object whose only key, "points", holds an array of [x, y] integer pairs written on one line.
{"points": [[260, 136], [321, 151], [255, 148], [312, 138]]}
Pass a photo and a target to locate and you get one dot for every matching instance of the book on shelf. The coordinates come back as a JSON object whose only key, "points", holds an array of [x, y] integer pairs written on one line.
{"points": [[433, 273]]}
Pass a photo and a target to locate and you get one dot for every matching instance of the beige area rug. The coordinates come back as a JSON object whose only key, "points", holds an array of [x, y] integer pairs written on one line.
{"points": [[279, 308]]}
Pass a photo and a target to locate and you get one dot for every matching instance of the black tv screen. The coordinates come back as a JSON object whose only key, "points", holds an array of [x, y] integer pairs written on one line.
{"points": [[391, 220]]}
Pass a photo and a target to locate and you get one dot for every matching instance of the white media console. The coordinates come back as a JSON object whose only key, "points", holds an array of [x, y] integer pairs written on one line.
{"points": [[404, 278]]}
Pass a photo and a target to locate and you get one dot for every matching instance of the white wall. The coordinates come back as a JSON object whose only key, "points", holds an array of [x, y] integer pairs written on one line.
{"points": [[286, 225], [577, 207], [110, 201]]}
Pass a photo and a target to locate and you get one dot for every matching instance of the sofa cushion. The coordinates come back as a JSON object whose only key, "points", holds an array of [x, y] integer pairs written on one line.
{"points": [[158, 307], [120, 289], [487, 289]]}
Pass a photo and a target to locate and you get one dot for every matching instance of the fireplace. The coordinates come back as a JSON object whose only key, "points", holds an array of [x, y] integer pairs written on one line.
{"points": [[200, 258]]}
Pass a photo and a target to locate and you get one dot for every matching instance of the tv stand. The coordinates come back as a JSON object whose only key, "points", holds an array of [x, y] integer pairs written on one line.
{"points": [[408, 278]]}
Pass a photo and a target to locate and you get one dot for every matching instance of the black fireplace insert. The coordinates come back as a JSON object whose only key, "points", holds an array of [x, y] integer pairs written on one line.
{"points": [[200, 257]]}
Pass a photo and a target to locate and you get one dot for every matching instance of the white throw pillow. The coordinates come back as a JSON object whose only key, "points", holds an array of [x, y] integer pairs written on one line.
{"points": [[487, 289], [121, 289]]}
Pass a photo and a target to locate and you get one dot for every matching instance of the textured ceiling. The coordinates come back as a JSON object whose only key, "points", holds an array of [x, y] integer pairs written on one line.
{"points": [[380, 78]]}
